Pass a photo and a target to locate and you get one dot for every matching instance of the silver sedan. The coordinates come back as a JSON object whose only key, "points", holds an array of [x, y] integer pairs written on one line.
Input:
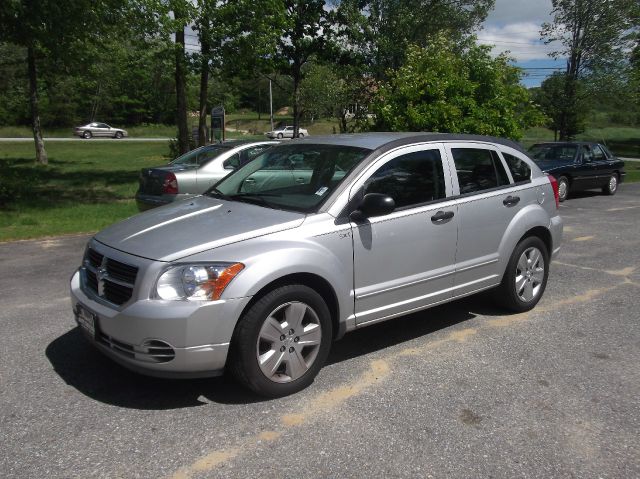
{"points": [[99, 130], [194, 172]]}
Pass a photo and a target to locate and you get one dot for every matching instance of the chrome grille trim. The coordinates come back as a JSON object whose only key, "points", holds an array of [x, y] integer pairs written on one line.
{"points": [[108, 279]]}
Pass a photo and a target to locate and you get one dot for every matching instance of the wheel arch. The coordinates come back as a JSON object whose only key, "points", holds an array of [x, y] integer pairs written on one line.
{"points": [[314, 281]]}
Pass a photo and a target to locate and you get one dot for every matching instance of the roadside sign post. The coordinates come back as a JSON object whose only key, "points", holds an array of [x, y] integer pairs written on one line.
{"points": [[217, 124]]}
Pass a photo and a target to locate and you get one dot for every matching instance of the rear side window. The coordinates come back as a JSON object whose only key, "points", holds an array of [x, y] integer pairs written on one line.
{"points": [[519, 169], [478, 169], [598, 154], [411, 179]]}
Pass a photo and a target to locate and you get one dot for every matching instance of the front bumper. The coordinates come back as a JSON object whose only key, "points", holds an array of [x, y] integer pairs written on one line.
{"points": [[161, 338]]}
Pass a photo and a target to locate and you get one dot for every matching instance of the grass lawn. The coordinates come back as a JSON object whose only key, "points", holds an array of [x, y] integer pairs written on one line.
{"points": [[85, 187], [632, 168]]}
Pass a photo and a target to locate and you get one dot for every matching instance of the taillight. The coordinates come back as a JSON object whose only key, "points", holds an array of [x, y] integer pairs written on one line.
{"points": [[170, 185], [556, 192]]}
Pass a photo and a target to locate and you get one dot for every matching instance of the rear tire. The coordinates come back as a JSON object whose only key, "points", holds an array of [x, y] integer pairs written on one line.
{"points": [[612, 185], [282, 341], [525, 278], [563, 188]]}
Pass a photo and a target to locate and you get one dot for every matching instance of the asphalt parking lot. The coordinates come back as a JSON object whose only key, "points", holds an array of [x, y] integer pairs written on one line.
{"points": [[461, 390]]}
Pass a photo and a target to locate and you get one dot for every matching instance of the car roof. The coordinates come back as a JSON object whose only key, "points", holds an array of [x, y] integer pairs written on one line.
{"points": [[374, 141]]}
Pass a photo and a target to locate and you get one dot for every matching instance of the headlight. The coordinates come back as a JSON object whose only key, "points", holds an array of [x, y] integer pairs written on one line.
{"points": [[198, 282]]}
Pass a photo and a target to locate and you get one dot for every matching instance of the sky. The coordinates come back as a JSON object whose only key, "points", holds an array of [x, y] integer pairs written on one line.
{"points": [[514, 26]]}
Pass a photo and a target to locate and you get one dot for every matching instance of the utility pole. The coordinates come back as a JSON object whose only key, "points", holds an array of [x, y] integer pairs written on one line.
{"points": [[270, 105]]}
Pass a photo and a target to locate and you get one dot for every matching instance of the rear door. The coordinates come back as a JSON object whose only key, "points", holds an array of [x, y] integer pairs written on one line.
{"points": [[487, 203], [404, 261]]}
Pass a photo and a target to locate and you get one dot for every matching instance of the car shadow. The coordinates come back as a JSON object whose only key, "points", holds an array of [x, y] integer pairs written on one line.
{"points": [[81, 366]]}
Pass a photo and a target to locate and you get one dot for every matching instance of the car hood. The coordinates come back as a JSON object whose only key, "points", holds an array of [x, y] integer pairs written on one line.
{"points": [[192, 226], [550, 165]]}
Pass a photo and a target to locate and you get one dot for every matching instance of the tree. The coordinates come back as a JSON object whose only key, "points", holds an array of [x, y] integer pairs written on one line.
{"points": [[47, 30], [446, 87], [593, 36], [381, 31], [302, 34], [551, 100]]}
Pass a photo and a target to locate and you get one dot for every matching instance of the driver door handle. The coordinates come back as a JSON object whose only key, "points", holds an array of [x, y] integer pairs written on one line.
{"points": [[441, 217]]}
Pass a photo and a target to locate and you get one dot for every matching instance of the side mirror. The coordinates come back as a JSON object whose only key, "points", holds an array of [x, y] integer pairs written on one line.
{"points": [[230, 167], [374, 204]]}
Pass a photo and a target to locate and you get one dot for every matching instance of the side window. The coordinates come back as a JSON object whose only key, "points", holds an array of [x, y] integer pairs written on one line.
{"points": [[206, 155], [519, 169], [232, 163], [410, 179], [478, 169], [251, 153], [598, 154], [587, 154]]}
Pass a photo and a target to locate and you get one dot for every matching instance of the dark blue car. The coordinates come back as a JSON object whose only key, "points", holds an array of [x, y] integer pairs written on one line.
{"points": [[579, 166]]}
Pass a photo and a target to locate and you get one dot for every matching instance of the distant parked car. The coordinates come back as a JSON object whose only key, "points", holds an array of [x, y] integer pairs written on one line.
{"points": [[579, 166], [99, 129], [194, 172], [286, 132]]}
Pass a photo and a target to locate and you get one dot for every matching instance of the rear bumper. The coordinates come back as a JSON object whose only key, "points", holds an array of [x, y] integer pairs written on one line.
{"points": [[146, 202], [556, 227]]}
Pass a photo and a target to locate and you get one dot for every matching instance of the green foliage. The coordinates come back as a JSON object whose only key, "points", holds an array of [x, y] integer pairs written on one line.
{"points": [[594, 37], [381, 31], [443, 88]]}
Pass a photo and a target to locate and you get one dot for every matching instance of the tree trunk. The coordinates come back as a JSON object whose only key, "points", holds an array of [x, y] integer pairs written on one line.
{"points": [[181, 95], [41, 153], [296, 100], [204, 91]]}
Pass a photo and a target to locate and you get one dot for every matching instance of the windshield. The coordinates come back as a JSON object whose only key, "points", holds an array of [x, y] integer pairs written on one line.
{"points": [[553, 152], [292, 177], [201, 155]]}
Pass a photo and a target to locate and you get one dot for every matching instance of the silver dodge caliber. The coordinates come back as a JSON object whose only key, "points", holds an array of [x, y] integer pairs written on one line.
{"points": [[312, 239]]}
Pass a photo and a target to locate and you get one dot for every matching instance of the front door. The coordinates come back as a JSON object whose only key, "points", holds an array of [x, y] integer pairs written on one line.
{"points": [[404, 261]]}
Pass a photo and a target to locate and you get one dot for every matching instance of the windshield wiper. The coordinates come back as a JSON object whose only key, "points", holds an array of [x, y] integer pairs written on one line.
{"points": [[219, 194], [254, 198]]}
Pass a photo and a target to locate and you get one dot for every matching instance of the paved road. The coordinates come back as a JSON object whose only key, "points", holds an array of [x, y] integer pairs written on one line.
{"points": [[458, 391], [73, 138]]}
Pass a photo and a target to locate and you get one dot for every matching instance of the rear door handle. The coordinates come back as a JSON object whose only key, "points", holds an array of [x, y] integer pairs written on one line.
{"points": [[441, 216], [511, 200]]}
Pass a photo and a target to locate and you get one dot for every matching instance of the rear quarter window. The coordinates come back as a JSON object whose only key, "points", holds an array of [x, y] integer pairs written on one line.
{"points": [[519, 169]]}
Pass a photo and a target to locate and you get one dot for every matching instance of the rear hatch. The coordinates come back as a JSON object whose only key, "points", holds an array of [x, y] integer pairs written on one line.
{"points": [[151, 180]]}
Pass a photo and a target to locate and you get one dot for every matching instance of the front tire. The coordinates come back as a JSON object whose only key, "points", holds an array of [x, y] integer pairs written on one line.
{"points": [[86, 135], [563, 188], [282, 341], [525, 278], [300, 135], [279, 136], [612, 185], [118, 135]]}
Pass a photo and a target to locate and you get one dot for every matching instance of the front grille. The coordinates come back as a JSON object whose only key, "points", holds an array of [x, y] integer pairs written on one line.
{"points": [[109, 279], [151, 351]]}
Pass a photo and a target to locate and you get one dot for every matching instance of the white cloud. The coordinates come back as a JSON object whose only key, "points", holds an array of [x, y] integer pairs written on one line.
{"points": [[521, 39]]}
